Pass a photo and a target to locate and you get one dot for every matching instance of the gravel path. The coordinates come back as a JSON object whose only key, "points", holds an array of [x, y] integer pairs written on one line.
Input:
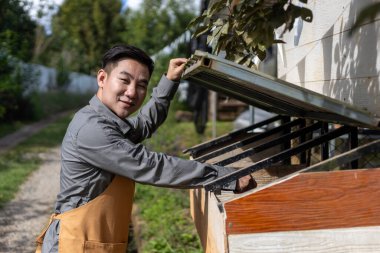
{"points": [[11, 140], [22, 219]]}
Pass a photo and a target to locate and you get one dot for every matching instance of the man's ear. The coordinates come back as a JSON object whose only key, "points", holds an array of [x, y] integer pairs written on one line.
{"points": [[101, 77]]}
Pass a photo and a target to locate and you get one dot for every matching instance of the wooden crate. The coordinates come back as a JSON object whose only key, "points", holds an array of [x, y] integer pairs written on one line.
{"points": [[329, 211]]}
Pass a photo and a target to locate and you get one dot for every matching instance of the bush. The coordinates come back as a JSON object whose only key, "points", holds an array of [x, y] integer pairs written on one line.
{"points": [[10, 86], [55, 101]]}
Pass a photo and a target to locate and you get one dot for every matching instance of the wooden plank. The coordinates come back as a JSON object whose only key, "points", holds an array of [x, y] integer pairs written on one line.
{"points": [[348, 240], [314, 200], [209, 221]]}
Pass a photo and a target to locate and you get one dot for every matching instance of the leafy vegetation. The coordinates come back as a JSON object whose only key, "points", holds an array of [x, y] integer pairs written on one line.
{"points": [[82, 30], [157, 23], [55, 101], [78, 41], [166, 225], [16, 43], [246, 29]]}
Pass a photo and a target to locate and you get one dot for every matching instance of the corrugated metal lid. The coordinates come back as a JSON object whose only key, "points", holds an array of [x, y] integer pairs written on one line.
{"points": [[272, 94]]}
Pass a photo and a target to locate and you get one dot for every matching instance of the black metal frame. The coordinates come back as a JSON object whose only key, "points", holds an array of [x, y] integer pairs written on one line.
{"points": [[324, 138], [278, 141], [249, 140], [277, 96], [222, 140]]}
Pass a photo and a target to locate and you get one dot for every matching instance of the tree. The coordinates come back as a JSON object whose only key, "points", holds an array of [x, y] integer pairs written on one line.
{"points": [[82, 31], [16, 44], [16, 29], [157, 23], [244, 30]]}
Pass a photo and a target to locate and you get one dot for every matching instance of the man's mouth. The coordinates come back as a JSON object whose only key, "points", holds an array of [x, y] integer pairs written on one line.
{"points": [[127, 102]]}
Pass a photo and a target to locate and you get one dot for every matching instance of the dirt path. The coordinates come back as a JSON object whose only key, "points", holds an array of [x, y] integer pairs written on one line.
{"points": [[11, 140], [23, 218]]}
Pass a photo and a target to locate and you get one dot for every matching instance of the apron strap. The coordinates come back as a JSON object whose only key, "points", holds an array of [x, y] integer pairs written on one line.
{"points": [[40, 238]]}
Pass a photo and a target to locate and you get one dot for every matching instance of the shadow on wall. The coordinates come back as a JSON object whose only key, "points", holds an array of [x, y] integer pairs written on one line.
{"points": [[354, 61]]}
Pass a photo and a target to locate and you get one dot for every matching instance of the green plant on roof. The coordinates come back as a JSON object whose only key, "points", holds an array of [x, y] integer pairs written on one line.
{"points": [[245, 29]]}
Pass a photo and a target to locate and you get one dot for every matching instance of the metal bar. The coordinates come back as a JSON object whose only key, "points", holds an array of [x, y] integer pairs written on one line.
{"points": [[354, 141], [244, 93], [302, 139], [272, 143], [248, 141], [325, 145], [287, 144], [368, 131], [344, 158], [194, 151], [218, 183]]}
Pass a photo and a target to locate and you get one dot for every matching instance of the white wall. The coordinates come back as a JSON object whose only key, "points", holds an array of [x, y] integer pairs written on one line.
{"points": [[46, 79], [330, 62]]}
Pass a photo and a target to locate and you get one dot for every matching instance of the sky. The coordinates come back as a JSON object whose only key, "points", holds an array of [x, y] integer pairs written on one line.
{"points": [[133, 4]]}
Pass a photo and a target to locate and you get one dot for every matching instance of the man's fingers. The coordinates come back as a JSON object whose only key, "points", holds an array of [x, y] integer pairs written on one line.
{"points": [[245, 183], [178, 61], [176, 67]]}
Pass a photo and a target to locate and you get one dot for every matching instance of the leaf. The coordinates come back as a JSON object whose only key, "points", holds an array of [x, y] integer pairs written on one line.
{"points": [[209, 39], [195, 21], [216, 29], [242, 59], [306, 14], [201, 30], [216, 7], [247, 39], [224, 29], [261, 54], [239, 32], [219, 22]]}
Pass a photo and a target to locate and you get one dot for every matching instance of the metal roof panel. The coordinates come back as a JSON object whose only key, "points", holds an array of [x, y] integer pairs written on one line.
{"points": [[272, 94]]}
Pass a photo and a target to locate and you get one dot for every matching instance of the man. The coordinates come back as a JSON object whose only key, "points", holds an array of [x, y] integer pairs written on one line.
{"points": [[102, 156]]}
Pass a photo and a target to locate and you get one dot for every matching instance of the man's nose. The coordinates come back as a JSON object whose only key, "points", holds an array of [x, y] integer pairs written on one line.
{"points": [[131, 91]]}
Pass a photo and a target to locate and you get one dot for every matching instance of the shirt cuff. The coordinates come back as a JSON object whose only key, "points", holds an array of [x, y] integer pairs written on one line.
{"points": [[167, 88], [222, 171]]}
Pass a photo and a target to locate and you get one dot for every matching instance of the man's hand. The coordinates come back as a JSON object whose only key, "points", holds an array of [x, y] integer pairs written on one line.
{"points": [[245, 183], [175, 69]]}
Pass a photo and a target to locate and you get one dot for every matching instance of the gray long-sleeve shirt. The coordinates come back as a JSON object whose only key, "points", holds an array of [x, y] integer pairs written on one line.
{"points": [[98, 145]]}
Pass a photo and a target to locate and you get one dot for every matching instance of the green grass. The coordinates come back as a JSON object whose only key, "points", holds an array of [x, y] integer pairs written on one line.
{"points": [[10, 127], [164, 213], [18, 163]]}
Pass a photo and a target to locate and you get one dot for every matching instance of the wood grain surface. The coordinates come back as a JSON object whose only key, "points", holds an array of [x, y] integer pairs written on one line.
{"points": [[315, 200], [208, 220], [344, 240]]}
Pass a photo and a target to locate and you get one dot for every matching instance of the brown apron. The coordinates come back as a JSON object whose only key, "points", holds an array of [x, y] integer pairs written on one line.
{"points": [[101, 225]]}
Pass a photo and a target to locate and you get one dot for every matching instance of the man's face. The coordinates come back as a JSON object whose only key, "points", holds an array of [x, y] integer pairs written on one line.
{"points": [[124, 88]]}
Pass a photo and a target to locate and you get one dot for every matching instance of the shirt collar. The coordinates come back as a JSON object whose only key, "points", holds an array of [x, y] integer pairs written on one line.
{"points": [[103, 110]]}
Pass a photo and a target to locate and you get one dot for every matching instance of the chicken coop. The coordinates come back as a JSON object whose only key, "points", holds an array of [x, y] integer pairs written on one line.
{"points": [[317, 166]]}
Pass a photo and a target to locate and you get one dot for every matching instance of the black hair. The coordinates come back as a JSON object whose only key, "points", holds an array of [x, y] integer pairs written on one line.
{"points": [[118, 52]]}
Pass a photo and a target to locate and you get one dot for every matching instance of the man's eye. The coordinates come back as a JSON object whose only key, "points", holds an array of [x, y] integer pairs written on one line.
{"points": [[143, 86], [126, 81]]}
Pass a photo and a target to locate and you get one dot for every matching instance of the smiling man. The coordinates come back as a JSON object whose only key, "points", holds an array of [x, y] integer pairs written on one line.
{"points": [[102, 157]]}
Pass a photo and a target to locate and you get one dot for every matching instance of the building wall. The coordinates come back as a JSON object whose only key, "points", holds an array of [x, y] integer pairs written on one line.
{"points": [[327, 60]]}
